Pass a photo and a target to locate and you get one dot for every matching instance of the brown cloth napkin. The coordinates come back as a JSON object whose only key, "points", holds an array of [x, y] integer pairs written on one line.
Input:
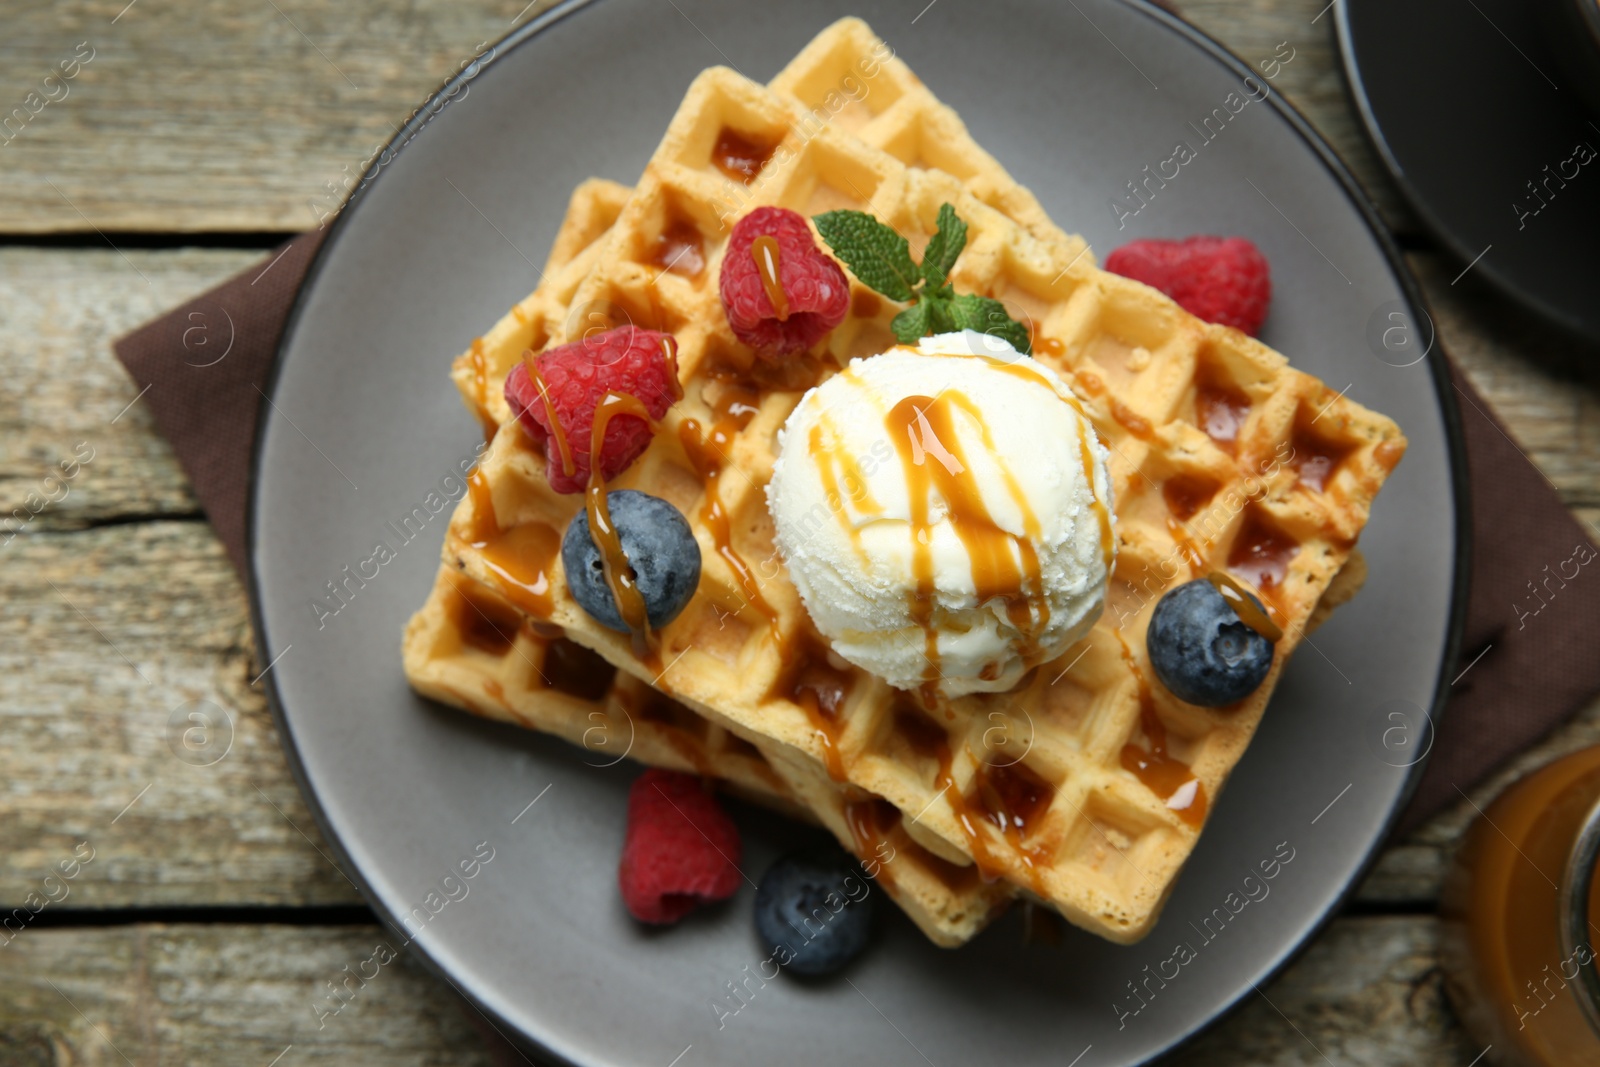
{"points": [[1520, 673]]}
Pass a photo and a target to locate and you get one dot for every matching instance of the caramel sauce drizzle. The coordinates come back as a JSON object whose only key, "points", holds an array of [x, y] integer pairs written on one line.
{"points": [[1086, 454], [484, 524], [669, 362], [833, 460], [1186, 547], [928, 739], [1014, 798], [812, 683], [1316, 460], [680, 249], [1243, 606], [1162, 773], [1019, 609], [522, 559], [874, 823], [1220, 408], [738, 156], [563, 447], [923, 431], [1186, 494], [765, 251], [480, 386], [708, 454], [618, 571], [1261, 554]]}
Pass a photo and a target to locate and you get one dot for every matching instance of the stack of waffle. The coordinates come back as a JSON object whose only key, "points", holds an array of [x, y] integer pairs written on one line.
{"points": [[1086, 787]]}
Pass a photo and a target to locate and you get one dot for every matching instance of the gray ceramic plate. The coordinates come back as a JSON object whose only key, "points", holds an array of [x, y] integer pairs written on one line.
{"points": [[1076, 100]]}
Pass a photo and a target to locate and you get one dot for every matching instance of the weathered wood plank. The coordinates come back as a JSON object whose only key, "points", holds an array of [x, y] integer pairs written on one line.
{"points": [[106, 633], [232, 994], [229, 116], [1368, 992], [66, 393], [218, 115]]}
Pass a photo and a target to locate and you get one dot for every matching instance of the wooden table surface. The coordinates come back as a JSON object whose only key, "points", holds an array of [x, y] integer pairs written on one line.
{"points": [[210, 917]]}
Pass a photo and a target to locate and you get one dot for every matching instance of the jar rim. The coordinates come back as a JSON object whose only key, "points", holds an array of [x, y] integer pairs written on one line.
{"points": [[1576, 883]]}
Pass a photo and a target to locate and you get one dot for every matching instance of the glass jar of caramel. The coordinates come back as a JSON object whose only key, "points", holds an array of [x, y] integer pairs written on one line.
{"points": [[1520, 915]]}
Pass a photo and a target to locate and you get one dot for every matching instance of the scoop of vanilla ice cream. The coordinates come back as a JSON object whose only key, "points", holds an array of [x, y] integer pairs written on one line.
{"points": [[945, 513]]}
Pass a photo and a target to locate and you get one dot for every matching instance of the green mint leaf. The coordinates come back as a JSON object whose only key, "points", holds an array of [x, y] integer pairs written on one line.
{"points": [[911, 323], [943, 247], [986, 315], [941, 313], [875, 253]]}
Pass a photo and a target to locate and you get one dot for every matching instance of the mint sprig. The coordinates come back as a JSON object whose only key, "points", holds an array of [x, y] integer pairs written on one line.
{"points": [[881, 258]]}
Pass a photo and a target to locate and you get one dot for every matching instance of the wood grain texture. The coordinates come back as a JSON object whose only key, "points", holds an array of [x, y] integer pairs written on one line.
{"points": [[107, 633], [64, 386], [1367, 992], [220, 115], [223, 994]]}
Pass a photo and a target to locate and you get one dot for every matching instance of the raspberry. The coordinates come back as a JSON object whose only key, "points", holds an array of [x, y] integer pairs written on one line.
{"points": [[1219, 279], [681, 848], [815, 288], [578, 376]]}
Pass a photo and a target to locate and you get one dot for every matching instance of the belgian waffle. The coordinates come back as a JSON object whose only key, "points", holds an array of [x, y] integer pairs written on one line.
{"points": [[480, 372], [469, 648], [846, 80], [1087, 786]]}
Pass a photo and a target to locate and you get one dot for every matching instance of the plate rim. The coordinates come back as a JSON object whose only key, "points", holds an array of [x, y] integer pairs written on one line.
{"points": [[1505, 284], [1438, 368]]}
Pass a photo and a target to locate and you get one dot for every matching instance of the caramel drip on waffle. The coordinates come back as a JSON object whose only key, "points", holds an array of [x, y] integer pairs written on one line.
{"points": [[480, 388], [522, 559], [1003, 564], [928, 739], [563, 446], [669, 364], [811, 682], [1162, 773], [872, 822], [708, 454], [485, 527], [618, 571]]}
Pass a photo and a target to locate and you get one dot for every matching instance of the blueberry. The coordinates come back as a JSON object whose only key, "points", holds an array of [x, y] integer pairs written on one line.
{"points": [[659, 545], [814, 911], [1201, 651]]}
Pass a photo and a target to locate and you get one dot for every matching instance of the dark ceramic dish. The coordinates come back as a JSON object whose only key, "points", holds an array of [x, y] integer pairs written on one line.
{"points": [[1482, 121], [405, 790]]}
